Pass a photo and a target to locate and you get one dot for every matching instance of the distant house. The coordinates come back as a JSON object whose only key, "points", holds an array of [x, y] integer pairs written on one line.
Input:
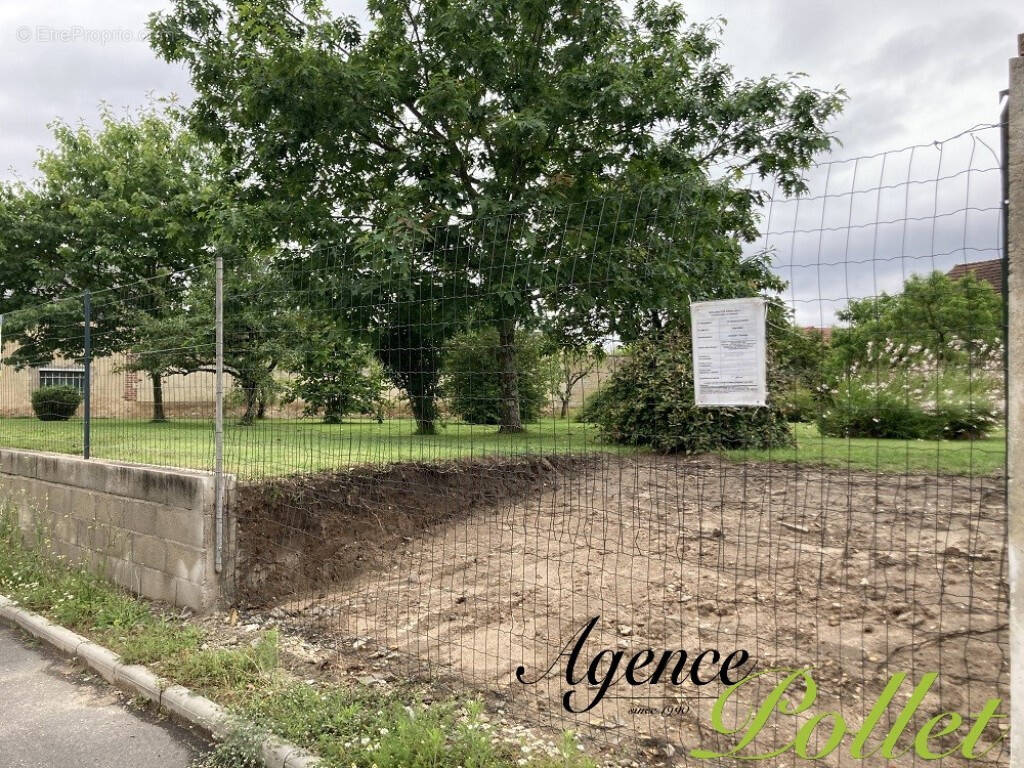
{"points": [[825, 332], [990, 271]]}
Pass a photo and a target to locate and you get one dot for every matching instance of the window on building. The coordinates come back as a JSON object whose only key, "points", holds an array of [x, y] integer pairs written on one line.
{"points": [[62, 377]]}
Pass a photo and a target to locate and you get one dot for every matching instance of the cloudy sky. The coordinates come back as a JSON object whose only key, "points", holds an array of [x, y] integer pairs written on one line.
{"points": [[915, 71]]}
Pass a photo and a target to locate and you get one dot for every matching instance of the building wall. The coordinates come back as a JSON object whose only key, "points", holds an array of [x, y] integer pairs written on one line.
{"points": [[118, 393], [115, 392]]}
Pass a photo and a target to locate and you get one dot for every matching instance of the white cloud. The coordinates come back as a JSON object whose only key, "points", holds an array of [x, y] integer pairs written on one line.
{"points": [[915, 70]]}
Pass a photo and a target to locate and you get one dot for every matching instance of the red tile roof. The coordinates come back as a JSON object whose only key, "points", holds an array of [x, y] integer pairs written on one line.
{"points": [[990, 271], [826, 331]]}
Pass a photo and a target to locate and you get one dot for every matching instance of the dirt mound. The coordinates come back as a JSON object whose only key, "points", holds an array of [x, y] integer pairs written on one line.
{"points": [[304, 535]]}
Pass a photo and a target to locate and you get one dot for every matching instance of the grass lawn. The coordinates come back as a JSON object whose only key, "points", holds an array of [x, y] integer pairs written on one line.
{"points": [[949, 457], [280, 447]]}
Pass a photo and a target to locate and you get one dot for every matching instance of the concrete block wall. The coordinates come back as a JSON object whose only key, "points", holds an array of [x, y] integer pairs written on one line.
{"points": [[150, 529]]}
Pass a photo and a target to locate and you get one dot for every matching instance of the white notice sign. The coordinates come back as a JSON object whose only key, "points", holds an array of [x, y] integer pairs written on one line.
{"points": [[729, 352]]}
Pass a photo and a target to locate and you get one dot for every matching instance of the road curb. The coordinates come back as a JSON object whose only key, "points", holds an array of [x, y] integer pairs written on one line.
{"points": [[175, 700]]}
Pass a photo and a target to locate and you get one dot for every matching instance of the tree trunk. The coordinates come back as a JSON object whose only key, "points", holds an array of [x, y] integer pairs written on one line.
{"points": [[424, 409], [251, 398], [412, 364], [158, 397], [261, 411], [510, 415], [565, 408]]}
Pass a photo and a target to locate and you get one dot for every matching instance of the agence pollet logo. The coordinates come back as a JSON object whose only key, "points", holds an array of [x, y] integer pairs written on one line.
{"points": [[749, 703]]}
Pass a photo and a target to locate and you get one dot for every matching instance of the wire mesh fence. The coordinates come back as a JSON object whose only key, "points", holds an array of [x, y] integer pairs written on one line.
{"points": [[468, 458]]}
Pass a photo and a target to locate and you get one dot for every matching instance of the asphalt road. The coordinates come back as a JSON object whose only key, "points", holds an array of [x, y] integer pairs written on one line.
{"points": [[54, 716]]}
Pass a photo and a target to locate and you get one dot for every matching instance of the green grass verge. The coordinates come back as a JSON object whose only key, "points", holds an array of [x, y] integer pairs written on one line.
{"points": [[947, 457], [281, 447], [348, 727]]}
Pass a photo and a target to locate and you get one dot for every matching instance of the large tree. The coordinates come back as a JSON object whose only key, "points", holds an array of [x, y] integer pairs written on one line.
{"points": [[122, 211], [24, 226], [949, 322], [497, 120], [263, 328]]}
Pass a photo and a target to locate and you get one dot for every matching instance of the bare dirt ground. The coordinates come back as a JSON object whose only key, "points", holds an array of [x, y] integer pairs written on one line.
{"points": [[464, 572]]}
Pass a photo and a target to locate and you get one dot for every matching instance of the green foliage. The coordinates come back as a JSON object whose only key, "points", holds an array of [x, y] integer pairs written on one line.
{"points": [[335, 375], [56, 403], [473, 370], [649, 400], [597, 402], [484, 129], [23, 224], [475, 103], [261, 326], [911, 405], [349, 726], [241, 749], [965, 420], [225, 669], [934, 319], [80, 600], [150, 640], [798, 404], [800, 355], [862, 411], [124, 210]]}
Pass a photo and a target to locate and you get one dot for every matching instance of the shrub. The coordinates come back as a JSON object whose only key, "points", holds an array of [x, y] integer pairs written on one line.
{"points": [[887, 416], [336, 376], [472, 382], [56, 403], [965, 421], [798, 404], [908, 404], [595, 403], [649, 400]]}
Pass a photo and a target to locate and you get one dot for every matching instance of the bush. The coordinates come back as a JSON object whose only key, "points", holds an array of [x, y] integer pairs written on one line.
{"points": [[595, 403], [798, 404], [649, 400], [879, 415], [472, 382], [963, 421], [56, 403], [911, 405], [336, 376]]}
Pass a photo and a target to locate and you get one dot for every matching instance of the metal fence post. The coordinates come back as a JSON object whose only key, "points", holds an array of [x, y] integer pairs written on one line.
{"points": [[1014, 164], [87, 375], [218, 417]]}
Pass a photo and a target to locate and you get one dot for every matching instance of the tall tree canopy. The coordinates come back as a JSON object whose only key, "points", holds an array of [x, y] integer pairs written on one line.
{"points": [[124, 211], [934, 318], [502, 118], [24, 227]]}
